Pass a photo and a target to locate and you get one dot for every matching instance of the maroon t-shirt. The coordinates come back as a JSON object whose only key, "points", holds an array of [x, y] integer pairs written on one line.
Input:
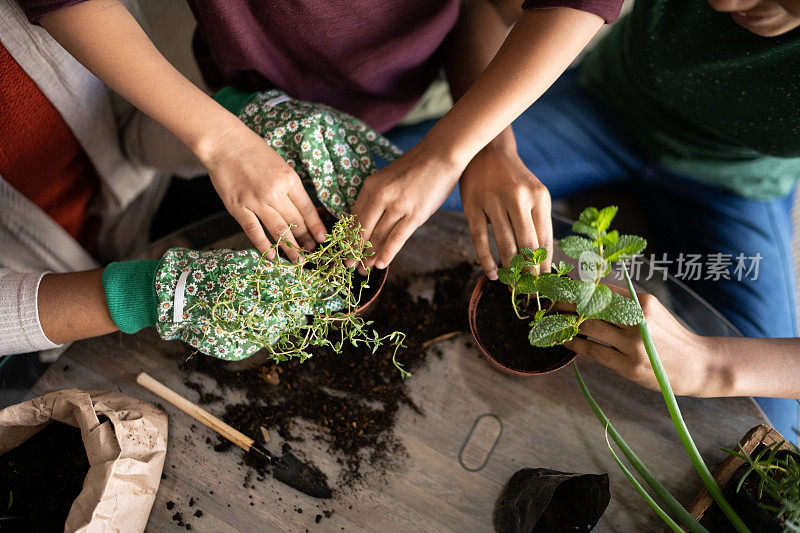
{"points": [[371, 58]]}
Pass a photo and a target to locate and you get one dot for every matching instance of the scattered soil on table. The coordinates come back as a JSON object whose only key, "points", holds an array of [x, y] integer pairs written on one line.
{"points": [[506, 337], [352, 398], [42, 477]]}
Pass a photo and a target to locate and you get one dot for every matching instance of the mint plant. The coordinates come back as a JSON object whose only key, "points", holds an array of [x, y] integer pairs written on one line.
{"points": [[596, 248]]}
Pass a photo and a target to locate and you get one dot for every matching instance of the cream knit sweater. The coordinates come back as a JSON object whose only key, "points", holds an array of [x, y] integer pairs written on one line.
{"points": [[131, 154]]}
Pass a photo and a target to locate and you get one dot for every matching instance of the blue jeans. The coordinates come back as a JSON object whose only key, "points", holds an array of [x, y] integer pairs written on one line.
{"points": [[572, 145]]}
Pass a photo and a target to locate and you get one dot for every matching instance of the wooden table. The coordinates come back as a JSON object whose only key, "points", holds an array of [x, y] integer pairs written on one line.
{"points": [[545, 423]]}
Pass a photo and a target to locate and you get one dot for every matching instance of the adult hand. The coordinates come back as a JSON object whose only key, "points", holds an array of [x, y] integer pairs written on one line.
{"points": [[260, 190], [689, 359], [497, 189], [398, 199]]}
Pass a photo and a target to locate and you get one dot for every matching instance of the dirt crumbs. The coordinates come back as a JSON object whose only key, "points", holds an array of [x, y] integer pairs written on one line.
{"points": [[52, 459], [351, 399], [181, 517]]}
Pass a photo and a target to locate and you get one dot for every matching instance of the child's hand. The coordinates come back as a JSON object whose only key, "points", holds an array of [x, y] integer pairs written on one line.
{"points": [[688, 358], [261, 191], [497, 189], [398, 199]]}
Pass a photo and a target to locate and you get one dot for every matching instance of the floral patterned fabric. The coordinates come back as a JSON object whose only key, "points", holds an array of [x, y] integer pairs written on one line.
{"points": [[222, 286], [327, 148]]}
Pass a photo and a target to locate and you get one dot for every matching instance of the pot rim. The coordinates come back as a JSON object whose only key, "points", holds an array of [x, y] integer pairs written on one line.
{"points": [[477, 293]]}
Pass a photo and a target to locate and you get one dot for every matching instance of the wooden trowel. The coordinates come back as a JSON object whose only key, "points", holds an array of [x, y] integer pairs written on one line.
{"points": [[287, 468]]}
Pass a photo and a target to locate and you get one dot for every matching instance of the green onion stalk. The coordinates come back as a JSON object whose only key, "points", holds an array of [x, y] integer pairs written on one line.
{"points": [[677, 419]]}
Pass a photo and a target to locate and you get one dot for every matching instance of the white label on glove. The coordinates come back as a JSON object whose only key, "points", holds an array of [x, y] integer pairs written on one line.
{"points": [[278, 100], [180, 300]]}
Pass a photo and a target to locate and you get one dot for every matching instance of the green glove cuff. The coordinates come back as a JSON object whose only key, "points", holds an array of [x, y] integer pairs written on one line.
{"points": [[131, 293], [233, 99]]}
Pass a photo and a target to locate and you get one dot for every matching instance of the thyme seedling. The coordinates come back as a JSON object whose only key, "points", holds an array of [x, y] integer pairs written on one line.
{"points": [[321, 283]]}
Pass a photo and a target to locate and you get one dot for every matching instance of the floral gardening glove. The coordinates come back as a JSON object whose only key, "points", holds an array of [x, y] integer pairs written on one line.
{"points": [[327, 148], [226, 303]]}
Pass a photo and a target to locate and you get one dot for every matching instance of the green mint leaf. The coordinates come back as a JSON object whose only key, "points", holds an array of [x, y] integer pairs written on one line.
{"points": [[583, 292], [527, 283], [559, 289], [610, 238], [574, 246], [604, 218], [562, 268], [538, 316], [584, 229], [589, 216], [622, 310], [518, 263], [625, 248], [539, 256], [507, 276], [599, 300], [552, 330], [527, 252]]}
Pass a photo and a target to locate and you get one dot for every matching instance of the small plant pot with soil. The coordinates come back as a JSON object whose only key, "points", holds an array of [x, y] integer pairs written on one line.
{"points": [[758, 506], [515, 321], [503, 338]]}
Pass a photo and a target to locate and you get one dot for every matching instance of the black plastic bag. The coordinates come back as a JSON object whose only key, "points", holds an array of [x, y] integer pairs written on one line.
{"points": [[543, 500]]}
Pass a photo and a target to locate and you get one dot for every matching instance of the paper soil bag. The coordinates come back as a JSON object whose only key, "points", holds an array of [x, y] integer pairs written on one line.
{"points": [[125, 441]]}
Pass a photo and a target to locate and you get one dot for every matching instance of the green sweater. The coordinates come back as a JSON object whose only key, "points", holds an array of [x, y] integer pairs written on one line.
{"points": [[704, 96]]}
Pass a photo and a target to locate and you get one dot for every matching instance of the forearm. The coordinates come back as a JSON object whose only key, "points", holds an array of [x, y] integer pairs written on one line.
{"points": [[536, 52], [476, 38], [108, 41], [73, 306], [754, 367]]}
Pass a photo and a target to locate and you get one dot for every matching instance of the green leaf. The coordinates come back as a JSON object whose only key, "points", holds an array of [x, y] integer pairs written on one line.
{"points": [[538, 316], [562, 268], [574, 246], [604, 218], [622, 310], [585, 229], [552, 330], [517, 263], [610, 238], [507, 276], [589, 216], [539, 256], [527, 252], [559, 289], [626, 247], [527, 283], [583, 292], [599, 300]]}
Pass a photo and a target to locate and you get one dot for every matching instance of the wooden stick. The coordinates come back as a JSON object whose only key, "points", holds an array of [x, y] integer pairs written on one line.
{"points": [[440, 338], [195, 411]]}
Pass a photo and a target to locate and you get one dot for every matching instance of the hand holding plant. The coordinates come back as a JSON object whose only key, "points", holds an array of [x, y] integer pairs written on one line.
{"points": [[230, 304], [688, 358]]}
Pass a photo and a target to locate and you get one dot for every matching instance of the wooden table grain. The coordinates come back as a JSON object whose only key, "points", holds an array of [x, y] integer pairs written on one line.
{"points": [[543, 422]]}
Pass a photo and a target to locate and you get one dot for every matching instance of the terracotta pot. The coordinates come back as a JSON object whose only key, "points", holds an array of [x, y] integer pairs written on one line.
{"points": [[477, 294]]}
